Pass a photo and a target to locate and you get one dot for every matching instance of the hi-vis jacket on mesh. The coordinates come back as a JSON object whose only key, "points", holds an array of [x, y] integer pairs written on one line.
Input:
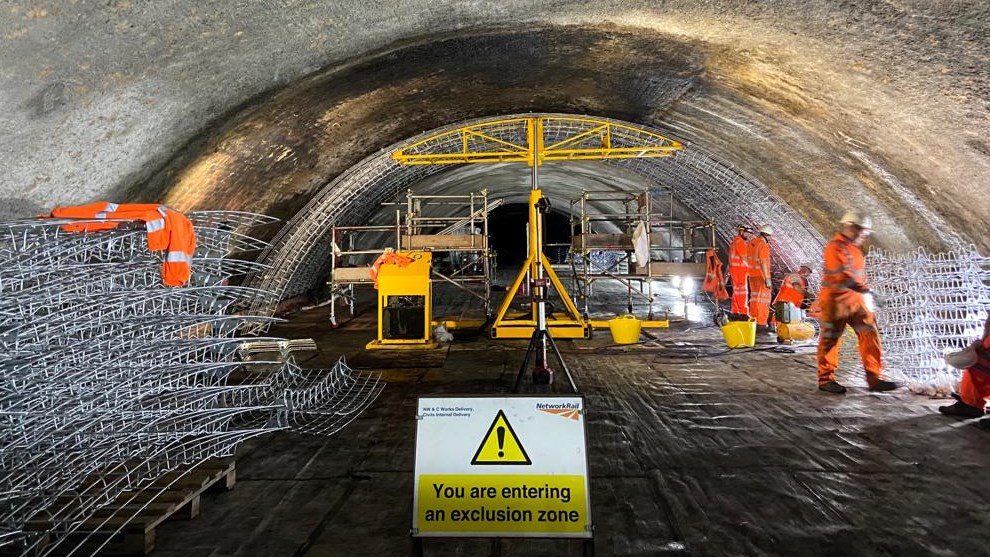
{"points": [[714, 283], [167, 229]]}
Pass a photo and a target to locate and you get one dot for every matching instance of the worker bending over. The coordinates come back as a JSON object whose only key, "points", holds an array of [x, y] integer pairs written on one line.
{"points": [[759, 276], [739, 273], [974, 388], [794, 289], [844, 286]]}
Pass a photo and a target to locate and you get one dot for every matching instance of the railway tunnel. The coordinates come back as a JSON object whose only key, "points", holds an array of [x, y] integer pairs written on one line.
{"points": [[791, 113]]}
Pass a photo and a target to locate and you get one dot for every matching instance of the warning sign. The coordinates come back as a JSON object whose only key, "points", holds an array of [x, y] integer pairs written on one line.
{"points": [[506, 467], [500, 445]]}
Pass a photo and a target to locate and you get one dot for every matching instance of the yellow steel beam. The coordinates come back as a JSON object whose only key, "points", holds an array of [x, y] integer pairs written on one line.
{"points": [[477, 144], [493, 141]]}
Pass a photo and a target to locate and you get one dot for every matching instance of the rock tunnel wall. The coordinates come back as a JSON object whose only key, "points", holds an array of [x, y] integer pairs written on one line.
{"points": [[258, 107]]}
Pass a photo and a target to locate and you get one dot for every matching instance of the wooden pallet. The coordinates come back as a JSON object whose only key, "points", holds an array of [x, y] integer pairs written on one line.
{"points": [[130, 522]]}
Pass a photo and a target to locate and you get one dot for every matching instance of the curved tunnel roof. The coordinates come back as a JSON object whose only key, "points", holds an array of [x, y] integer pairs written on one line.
{"points": [[702, 183], [821, 106]]}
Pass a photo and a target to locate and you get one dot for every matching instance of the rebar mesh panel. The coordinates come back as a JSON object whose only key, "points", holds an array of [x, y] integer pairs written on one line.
{"points": [[110, 381], [934, 304]]}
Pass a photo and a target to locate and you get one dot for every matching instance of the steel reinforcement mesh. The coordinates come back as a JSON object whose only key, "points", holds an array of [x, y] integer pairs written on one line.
{"points": [[933, 304], [110, 380], [299, 255]]}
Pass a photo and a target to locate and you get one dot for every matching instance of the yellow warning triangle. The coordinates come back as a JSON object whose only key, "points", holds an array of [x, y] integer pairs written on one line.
{"points": [[500, 445]]}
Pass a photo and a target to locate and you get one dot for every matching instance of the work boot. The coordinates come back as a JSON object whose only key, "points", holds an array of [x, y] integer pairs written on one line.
{"points": [[962, 410], [832, 387], [882, 385]]}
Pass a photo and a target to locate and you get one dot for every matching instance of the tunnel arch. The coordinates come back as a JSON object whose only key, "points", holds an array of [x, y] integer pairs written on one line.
{"points": [[300, 252]]}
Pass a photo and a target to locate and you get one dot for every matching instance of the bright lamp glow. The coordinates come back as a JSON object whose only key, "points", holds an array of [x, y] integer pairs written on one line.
{"points": [[687, 286]]}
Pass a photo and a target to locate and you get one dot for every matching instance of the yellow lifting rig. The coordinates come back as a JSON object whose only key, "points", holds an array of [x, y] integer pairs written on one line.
{"points": [[525, 140]]}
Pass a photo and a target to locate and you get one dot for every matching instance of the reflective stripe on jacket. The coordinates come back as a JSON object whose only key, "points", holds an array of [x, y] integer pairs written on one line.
{"points": [[738, 254], [793, 289], [759, 258], [845, 266]]}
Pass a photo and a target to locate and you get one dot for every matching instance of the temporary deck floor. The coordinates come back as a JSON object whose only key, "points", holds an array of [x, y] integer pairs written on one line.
{"points": [[729, 454]]}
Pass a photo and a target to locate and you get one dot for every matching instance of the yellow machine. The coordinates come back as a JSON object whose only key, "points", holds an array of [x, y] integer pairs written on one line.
{"points": [[790, 332], [791, 325], [404, 303]]}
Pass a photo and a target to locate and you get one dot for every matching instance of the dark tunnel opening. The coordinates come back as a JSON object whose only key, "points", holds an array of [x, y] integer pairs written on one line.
{"points": [[509, 236]]}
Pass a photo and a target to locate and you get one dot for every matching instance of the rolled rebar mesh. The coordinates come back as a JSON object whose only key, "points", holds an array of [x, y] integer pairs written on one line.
{"points": [[934, 304], [110, 381]]}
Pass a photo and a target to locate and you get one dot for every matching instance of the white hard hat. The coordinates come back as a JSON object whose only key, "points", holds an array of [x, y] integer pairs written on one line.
{"points": [[852, 217], [766, 229], [806, 264], [962, 359]]}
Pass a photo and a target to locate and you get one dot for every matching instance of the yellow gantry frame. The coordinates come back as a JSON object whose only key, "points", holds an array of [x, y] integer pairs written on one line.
{"points": [[491, 142], [481, 143], [569, 325]]}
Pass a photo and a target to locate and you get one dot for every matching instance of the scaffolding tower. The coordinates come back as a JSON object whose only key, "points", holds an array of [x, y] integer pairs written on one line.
{"points": [[676, 247], [453, 227]]}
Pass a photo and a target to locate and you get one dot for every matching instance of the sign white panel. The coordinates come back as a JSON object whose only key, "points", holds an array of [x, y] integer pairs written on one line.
{"points": [[501, 467]]}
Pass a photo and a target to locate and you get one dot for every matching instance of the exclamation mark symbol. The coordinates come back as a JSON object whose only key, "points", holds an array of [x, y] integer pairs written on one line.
{"points": [[500, 431]]}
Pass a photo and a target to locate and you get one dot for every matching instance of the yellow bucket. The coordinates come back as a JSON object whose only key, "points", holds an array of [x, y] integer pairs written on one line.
{"points": [[625, 329], [739, 334]]}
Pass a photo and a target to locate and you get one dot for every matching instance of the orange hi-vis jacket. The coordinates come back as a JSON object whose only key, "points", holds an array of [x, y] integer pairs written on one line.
{"points": [[844, 276], [387, 258], [793, 290], [167, 229], [758, 252], [738, 254], [94, 211], [714, 283]]}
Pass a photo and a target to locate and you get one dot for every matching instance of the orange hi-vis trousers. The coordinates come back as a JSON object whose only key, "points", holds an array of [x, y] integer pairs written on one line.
{"points": [[836, 314], [740, 292], [974, 388], [759, 300]]}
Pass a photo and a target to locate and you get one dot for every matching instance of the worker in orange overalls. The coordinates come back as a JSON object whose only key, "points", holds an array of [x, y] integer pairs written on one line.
{"points": [[759, 276], [843, 302], [739, 272], [974, 387], [794, 289]]}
